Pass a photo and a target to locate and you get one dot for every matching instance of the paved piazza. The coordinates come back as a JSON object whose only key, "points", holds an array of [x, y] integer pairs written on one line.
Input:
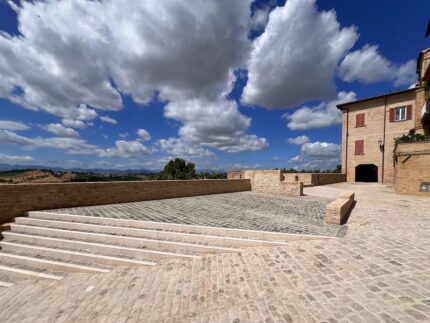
{"points": [[378, 272], [245, 210]]}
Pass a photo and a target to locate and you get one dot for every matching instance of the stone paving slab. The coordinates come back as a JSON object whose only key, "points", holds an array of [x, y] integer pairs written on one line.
{"points": [[244, 210], [379, 272]]}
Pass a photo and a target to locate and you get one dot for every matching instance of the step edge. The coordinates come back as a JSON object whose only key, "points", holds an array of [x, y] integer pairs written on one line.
{"points": [[29, 272], [95, 244], [6, 284], [280, 234], [52, 262], [185, 234], [149, 263], [133, 238]]}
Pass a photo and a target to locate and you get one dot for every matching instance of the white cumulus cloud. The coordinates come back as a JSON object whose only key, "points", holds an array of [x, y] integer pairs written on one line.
{"points": [[299, 140], [71, 145], [13, 125], [177, 147], [320, 149], [60, 130], [323, 115], [72, 123], [124, 149], [108, 120], [177, 49], [296, 57], [4, 158], [367, 65], [317, 155], [216, 124], [143, 134]]}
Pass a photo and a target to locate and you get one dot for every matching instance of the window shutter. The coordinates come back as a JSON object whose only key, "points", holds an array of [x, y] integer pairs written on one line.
{"points": [[409, 112], [392, 114], [359, 120], [359, 147]]}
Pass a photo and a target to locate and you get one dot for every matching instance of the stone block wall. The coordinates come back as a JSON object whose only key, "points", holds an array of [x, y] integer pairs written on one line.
{"points": [[314, 179], [412, 168], [15, 200], [234, 175], [337, 210], [272, 181]]}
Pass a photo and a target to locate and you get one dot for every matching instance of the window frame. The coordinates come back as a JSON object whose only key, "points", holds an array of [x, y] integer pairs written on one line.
{"points": [[398, 113]]}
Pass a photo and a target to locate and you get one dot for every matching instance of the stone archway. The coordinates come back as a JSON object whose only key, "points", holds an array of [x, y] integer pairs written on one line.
{"points": [[366, 173]]}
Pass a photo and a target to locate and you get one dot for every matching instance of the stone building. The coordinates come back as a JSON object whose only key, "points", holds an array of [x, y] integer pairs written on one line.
{"points": [[369, 127]]}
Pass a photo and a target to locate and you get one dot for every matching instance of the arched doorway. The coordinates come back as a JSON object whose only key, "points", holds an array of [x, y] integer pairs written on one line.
{"points": [[366, 173]]}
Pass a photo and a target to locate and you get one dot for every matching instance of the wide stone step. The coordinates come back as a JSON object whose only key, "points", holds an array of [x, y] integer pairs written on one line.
{"points": [[9, 256], [6, 284], [165, 226], [72, 256], [20, 273], [119, 240], [148, 233], [115, 253]]}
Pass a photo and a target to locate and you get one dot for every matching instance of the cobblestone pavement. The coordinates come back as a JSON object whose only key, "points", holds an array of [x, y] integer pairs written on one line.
{"points": [[379, 272], [244, 210]]}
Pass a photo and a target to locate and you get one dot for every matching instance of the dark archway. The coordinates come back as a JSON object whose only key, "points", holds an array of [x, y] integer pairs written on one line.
{"points": [[366, 173]]}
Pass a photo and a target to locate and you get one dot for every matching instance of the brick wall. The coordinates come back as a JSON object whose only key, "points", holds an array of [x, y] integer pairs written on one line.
{"points": [[272, 181], [314, 179], [15, 200], [412, 167]]}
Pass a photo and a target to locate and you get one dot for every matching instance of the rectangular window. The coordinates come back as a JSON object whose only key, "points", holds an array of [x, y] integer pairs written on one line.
{"points": [[359, 120], [400, 114], [359, 147]]}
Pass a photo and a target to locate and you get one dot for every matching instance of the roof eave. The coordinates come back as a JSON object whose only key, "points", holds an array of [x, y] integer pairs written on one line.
{"points": [[344, 105]]}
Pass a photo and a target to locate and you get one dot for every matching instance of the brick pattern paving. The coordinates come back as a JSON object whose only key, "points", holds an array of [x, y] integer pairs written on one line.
{"points": [[377, 273], [245, 210]]}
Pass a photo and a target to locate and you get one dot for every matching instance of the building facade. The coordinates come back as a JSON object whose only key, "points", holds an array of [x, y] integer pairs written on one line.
{"points": [[369, 127]]}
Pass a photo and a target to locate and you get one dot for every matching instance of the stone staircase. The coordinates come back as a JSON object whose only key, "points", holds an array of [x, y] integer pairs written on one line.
{"points": [[48, 245]]}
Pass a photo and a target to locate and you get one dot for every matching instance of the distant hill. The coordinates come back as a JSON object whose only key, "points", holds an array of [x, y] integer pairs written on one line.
{"points": [[7, 167], [34, 176]]}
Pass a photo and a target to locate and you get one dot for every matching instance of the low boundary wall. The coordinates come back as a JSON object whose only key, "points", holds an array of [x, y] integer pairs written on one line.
{"points": [[314, 179], [337, 210], [272, 181], [15, 200]]}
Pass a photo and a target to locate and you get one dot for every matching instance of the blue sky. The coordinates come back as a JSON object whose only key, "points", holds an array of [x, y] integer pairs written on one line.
{"points": [[225, 84]]}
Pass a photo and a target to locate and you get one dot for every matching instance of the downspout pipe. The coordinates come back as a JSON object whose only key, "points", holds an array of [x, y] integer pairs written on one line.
{"points": [[383, 140], [346, 148]]}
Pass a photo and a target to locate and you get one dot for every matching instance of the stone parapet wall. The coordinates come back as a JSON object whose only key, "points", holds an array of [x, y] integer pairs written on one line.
{"points": [[15, 200], [337, 210], [314, 179], [412, 168], [234, 175], [272, 181]]}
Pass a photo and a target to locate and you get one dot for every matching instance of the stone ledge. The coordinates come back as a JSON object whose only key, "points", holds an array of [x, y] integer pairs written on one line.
{"points": [[337, 210]]}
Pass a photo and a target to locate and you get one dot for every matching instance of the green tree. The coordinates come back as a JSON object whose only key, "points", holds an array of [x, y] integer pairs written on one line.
{"points": [[178, 168]]}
